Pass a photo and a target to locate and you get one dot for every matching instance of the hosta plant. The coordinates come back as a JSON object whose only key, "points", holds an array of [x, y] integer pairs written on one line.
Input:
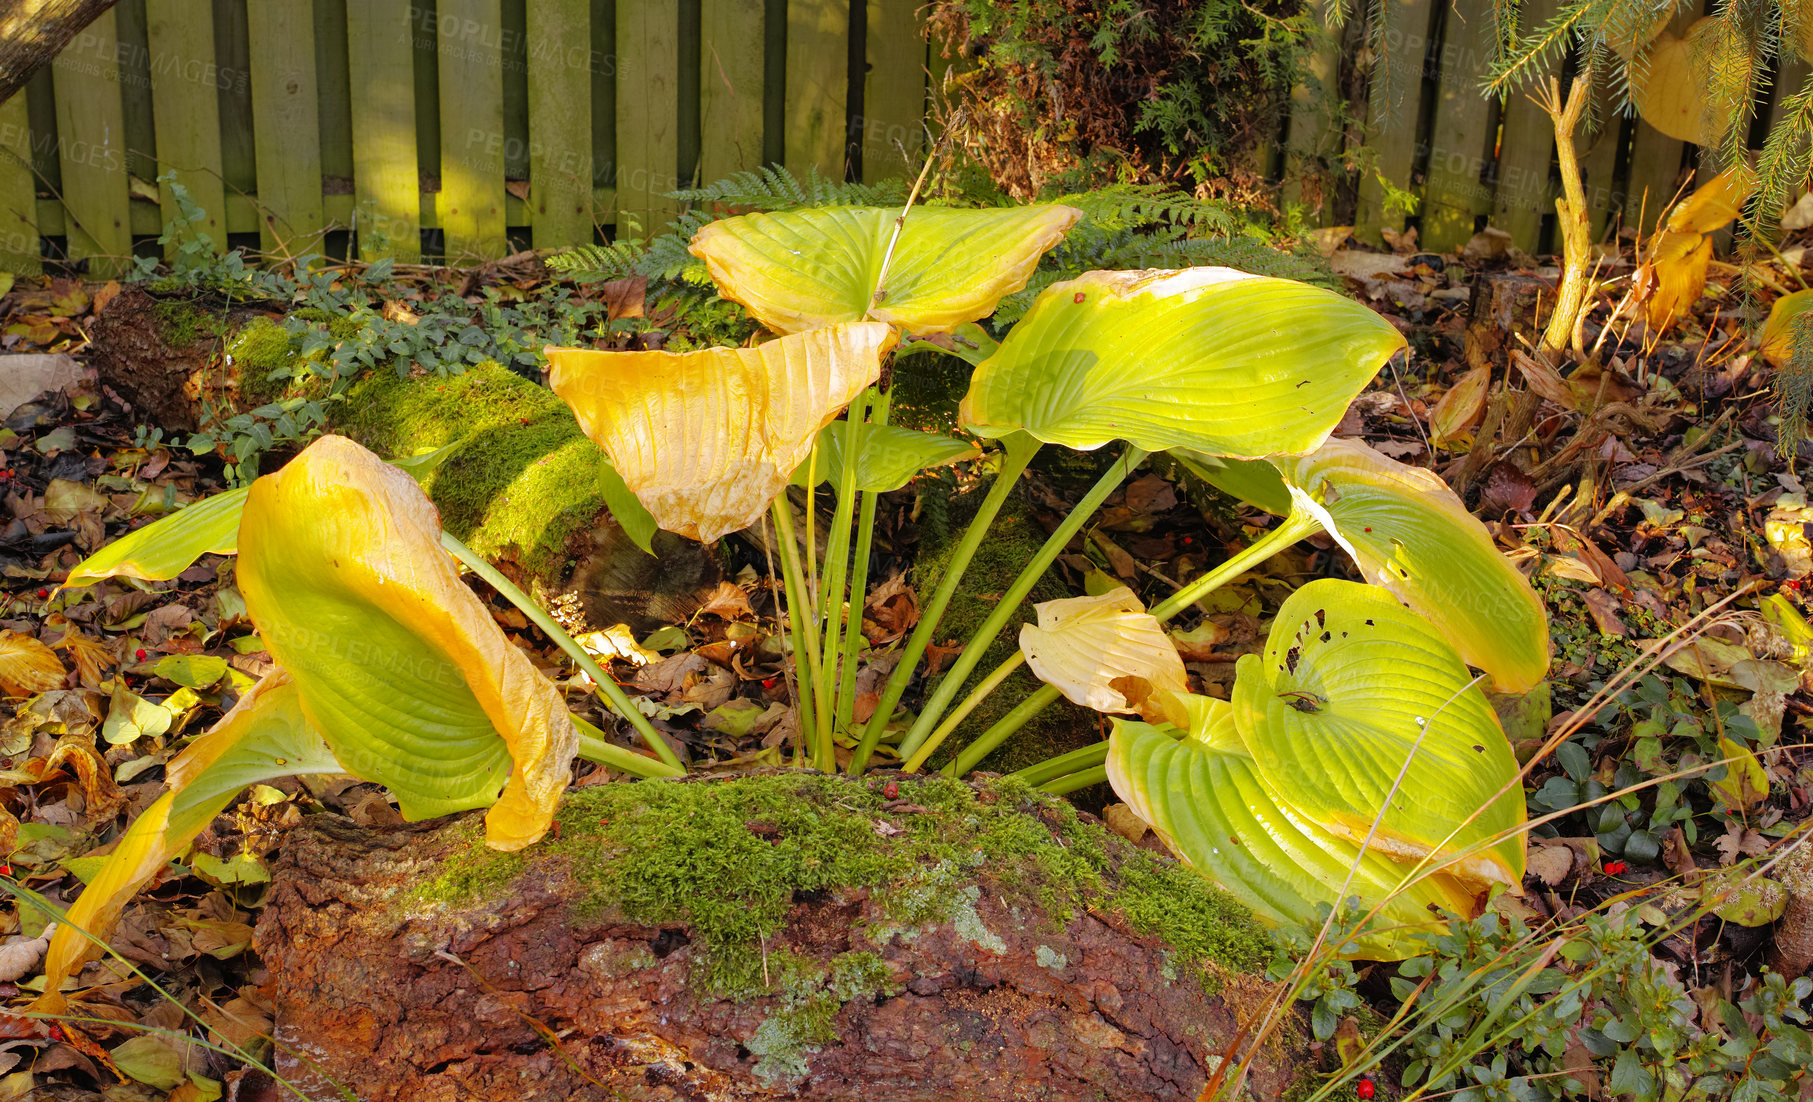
{"points": [[390, 670]]}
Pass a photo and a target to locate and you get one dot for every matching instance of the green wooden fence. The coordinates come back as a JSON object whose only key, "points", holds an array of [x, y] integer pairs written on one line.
{"points": [[500, 121], [482, 119], [1474, 162]]}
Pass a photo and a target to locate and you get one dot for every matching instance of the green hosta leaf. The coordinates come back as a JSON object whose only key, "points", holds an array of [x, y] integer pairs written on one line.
{"points": [[1254, 481], [1351, 686], [637, 522], [1412, 535], [165, 548], [805, 269], [265, 736], [887, 456], [397, 662], [1205, 798], [1204, 358]]}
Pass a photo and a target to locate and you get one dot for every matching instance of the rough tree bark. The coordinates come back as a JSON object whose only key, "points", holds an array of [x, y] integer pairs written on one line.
{"points": [[33, 32], [532, 987]]}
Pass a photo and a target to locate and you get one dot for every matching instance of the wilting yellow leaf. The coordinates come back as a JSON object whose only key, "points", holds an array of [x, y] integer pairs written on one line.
{"points": [[705, 440], [1745, 784], [27, 666], [1777, 341], [1104, 652], [397, 663], [1679, 254], [1460, 408], [1684, 79], [264, 736], [1716, 203]]}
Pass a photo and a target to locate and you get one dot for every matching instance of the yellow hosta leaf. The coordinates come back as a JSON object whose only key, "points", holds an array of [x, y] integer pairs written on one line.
{"points": [[1685, 80], [705, 440], [396, 662], [1714, 204], [1680, 276], [1105, 652], [263, 737], [1745, 784], [805, 269], [1777, 341], [27, 666], [1461, 408]]}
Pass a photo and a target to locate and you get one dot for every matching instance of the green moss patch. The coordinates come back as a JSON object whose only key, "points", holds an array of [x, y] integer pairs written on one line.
{"points": [[526, 480], [725, 860]]}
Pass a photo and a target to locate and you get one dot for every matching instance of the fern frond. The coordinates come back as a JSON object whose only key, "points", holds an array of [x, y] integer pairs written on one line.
{"points": [[592, 262], [770, 188]]}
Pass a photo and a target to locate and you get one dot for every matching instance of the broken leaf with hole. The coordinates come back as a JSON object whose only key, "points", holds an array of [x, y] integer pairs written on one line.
{"points": [[1206, 358], [705, 440], [1412, 535], [806, 269], [1204, 796], [1353, 689], [887, 456], [1407, 531], [1104, 652]]}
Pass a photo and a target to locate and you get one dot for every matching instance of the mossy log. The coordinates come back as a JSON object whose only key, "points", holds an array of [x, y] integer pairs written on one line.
{"points": [[523, 490], [784, 936]]}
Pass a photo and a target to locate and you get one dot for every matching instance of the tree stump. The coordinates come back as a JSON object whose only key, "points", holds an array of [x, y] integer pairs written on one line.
{"points": [[784, 936]]}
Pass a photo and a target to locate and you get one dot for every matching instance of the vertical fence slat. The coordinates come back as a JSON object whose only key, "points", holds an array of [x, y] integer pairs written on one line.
{"points": [[472, 128], [1524, 192], [1393, 131], [1598, 153], [1459, 141], [818, 50], [648, 114], [185, 108], [286, 124], [387, 202], [91, 149], [18, 190], [560, 123], [1312, 134], [732, 70], [893, 98], [1655, 171]]}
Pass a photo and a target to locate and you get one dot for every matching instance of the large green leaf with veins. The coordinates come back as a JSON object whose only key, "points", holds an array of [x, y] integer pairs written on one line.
{"points": [[1205, 798], [1412, 535], [805, 269], [169, 545], [887, 456], [1353, 687], [1408, 532], [396, 661], [1206, 358]]}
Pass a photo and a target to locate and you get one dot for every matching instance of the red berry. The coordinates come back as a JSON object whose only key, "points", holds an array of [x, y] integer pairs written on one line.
{"points": [[141, 654], [1363, 1088], [1613, 868], [890, 790], [43, 593]]}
